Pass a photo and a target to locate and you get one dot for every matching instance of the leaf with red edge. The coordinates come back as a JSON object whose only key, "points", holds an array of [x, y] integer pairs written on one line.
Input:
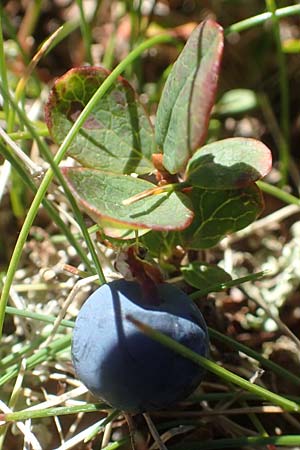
{"points": [[229, 164], [188, 96], [117, 136], [101, 195]]}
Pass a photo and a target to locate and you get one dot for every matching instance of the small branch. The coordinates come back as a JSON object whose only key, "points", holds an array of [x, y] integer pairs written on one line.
{"points": [[131, 429], [154, 432]]}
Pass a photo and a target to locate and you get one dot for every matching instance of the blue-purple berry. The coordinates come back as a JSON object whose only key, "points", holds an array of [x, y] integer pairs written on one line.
{"points": [[123, 366]]}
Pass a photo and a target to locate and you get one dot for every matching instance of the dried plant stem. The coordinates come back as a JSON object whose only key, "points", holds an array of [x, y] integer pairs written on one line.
{"points": [[28, 436], [33, 168], [154, 432], [76, 289]]}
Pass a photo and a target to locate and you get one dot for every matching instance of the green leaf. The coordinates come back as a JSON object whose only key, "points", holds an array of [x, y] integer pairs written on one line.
{"points": [[166, 247], [228, 284], [188, 96], [203, 276], [236, 101], [101, 195], [229, 164], [218, 213], [118, 135]]}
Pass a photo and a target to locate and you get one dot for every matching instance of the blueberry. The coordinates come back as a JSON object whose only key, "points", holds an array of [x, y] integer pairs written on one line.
{"points": [[124, 367]]}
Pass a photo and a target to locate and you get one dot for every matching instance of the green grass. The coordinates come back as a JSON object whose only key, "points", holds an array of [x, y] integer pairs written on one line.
{"points": [[27, 315]]}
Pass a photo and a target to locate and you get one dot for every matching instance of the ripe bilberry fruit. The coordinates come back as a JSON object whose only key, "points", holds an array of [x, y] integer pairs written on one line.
{"points": [[123, 366]]}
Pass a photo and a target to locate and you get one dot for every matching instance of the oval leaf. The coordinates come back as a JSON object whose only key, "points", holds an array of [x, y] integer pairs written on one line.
{"points": [[236, 101], [218, 213], [229, 164], [118, 135], [101, 195], [205, 276], [188, 96]]}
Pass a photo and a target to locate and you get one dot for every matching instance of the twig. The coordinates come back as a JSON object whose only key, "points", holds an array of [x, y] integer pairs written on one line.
{"points": [[131, 429], [154, 432]]}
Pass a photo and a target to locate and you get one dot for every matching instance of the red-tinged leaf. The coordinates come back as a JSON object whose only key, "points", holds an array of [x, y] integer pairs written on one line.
{"points": [[101, 195], [229, 164], [117, 136], [188, 96]]}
